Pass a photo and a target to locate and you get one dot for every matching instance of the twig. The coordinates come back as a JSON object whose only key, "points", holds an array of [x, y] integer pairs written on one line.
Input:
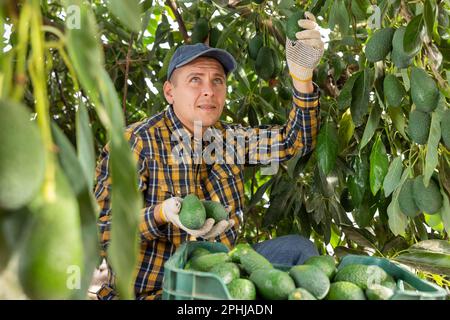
{"points": [[173, 6], [127, 68], [61, 92]]}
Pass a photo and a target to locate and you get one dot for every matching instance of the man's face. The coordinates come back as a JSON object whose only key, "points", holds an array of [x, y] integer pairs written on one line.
{"points": [[197, 92]]}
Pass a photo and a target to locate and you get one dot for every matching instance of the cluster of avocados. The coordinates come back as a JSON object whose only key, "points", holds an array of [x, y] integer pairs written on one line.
{"points": [[194, 212], [250, 276], [202, 30]]}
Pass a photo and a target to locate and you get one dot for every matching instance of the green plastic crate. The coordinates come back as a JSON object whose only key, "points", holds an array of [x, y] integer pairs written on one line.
{"points": [[424, 290], [180, 284]]}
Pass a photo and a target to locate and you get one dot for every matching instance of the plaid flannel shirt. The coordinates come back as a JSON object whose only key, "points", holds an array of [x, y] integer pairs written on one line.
{"points": [[160, 177]]}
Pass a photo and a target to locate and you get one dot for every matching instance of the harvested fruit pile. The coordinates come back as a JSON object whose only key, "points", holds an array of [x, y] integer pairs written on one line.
{"points": [[249, 276]]}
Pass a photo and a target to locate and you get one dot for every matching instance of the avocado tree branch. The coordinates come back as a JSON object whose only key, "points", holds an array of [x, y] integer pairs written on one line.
{"points": [[404, 11], [173, 6]]}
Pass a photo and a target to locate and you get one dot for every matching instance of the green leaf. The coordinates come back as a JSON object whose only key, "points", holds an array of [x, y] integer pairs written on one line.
{"points": [[84, 48], [371, 126], [412, 41], [397, 220], [427, 260], [128, 12], [393, 176], [445, 211], [436, 246], [85, 144], [379, 164], [344, 99], [360, 97], [87, 206], [342, 17], [398, 119], [430, 16], [434, 221], [259, 194], [360, 236], [358, 182], [126, 198], [326, 148], [346, 130], [431, 159]]}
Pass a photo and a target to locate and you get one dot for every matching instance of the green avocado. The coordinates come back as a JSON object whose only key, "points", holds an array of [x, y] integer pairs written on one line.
{"points": [[53, 244], [394, 91], [361, 275], [343, 290], [192, 213], [200, 31], [406, 199], [254, 45], [311, 278], [445, 128], [273, 284], [326, 263], [428, 199], [264, 65], [22, 156], [242, 289], [419, 126], [301, 294], [215, 210], [424, 92]]}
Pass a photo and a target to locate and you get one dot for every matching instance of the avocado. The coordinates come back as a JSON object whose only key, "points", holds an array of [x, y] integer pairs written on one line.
{"points": [[406, 199], [200, 31], [361, 275], [227, 271], [399, 57], [394, 91], [419, 126], [379, 292], [207, 261], [239, 250], [254, 45], [326, 263], [424, 92], [285, 93], [428, 199], [273, 284], [311, 278], [445, 128], [242, 289], [252, 261], [292, 26], [22, 156], [379, 45], [343, 290], [53, 243], [197, 252], [192, 213], [215, 210], [301, 294], [214, 36], [276, 64], [264, 65]]}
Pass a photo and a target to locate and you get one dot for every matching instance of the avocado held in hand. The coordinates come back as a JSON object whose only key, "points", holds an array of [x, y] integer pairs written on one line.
{"points": [[192, 213], [215, 210]]}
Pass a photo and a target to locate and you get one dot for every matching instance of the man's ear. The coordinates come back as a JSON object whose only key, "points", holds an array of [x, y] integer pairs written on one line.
{"points": [[167, 88]]}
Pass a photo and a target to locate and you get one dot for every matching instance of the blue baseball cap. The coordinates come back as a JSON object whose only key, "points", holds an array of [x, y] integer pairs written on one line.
{"points": [[189, 52]]}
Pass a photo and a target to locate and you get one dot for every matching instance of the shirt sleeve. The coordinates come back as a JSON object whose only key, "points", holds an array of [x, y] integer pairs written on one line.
{"points": [[148, 228], [265, 144]]}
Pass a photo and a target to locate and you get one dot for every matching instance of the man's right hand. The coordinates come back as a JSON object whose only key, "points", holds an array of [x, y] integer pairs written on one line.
{"points": [[168, 211]]}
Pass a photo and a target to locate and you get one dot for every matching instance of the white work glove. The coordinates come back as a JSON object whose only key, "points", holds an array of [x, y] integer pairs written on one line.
{"points": [[170, 210], [304, 54], [219, 228]]}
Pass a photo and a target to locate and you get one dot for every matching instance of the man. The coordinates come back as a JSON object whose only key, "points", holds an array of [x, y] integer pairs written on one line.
{"points": [[196, 90]]}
